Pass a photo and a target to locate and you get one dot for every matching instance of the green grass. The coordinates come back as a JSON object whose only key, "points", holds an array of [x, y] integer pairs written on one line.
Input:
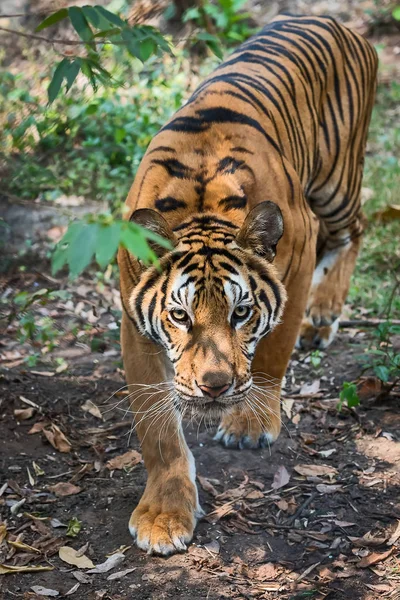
{"points": [[374, 276]]}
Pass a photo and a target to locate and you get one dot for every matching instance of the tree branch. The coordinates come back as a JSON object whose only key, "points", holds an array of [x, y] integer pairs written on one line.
{"points": [[53, 41]]}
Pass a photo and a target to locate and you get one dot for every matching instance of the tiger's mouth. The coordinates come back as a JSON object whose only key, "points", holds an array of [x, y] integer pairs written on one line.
{"points": [[209, 408]]}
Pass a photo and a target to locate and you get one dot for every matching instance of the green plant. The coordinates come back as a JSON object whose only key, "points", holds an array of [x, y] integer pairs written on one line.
{"points": [[315, 358], [381, 357], [220, 22], [349, 395]]}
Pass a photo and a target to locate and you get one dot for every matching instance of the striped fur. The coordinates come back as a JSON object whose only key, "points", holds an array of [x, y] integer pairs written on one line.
{"points": [[256, 181]]}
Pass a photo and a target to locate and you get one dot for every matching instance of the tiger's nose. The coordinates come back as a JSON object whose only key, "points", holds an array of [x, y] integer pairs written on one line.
{"points": [[214, 392], [215, 384]]}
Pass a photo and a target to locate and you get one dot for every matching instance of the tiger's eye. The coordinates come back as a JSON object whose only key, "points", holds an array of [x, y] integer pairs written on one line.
{"points": [[179, 314], [241, 312]]}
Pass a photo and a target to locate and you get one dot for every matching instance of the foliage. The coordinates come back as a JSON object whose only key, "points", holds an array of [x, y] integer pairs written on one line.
{"points": [[96, 26], [349, 395], [74, 527], [220, 23], [315, 358], [382, 358], [99, 236]]}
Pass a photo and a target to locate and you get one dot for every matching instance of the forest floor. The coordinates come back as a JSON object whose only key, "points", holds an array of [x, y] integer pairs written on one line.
{"points": [[316, 516]]}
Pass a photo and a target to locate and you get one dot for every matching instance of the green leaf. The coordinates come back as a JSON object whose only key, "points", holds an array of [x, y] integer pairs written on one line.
{"points": [[132, 43], [107, 243], [192, 14], [146, 49], [396, 13], [134, 241], [111, 17], [81, 250], [382, 373], [207, 37], [56, 82], [216, 49], [95, 17], [72, 72], [74, 527], [80, 23], [348, 395], [53, 19]]}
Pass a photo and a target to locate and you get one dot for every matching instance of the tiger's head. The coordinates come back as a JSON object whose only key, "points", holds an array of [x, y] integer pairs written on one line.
{"points": [[216, 295]]}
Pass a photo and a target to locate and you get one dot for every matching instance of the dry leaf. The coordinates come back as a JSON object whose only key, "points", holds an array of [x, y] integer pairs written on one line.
{"points": [[220, 512], [112, 561], [396, 535], [92, 409], [82, 577], [23, 547], [315, 470], [123, 461], [368, 540], [390, 213], [322, 488], [69, 555], [307, 389], [42, 591], [120, 574], [4, 569], [57, 439], [213, 547], [22, 414], [43, 373], [379, 587], [3, 532], [282, 505], [296, 419], [287, 407], [344, 524], [37, 427], [73, 589], [373, 559], [207, 485], [281, 478], [265, 572], [255, 495], [65, 489]]}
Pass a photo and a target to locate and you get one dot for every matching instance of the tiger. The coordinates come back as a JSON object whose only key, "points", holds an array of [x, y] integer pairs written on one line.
{"points": [[255, 183]]}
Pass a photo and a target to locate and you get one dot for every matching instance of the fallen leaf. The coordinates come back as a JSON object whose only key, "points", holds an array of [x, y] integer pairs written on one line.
{"points": [[57, 439], [344, 524], [3, 532], [22, 414], [326, 453], [42, 591], [322, 488], [281, 478], [23, 547], [282, 505], [315, 470], [220, 512], [120, 574], [4, 569], [265, 572], [287, 407], [69, 555], [390, 213], [296, 419], [56, 523], [307, 389], [43, 373], [207, 485], [373, 559], [65, 489], [255, 495], [74, 527], [368, 540], [123, 461], [92, 409], [73, 589], [37, 427], [82, 577], [111, 562], [395, 536], [379, 587]]}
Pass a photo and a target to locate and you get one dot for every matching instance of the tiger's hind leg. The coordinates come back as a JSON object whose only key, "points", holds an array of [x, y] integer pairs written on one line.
{"points": [[337, 254]]}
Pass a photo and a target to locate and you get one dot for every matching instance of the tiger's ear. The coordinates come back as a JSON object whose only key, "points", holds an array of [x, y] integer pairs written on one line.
{"points": [[152, 220], [262, 230]]}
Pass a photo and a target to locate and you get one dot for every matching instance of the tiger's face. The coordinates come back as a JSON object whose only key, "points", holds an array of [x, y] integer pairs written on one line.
{"points": [[216, 295]]}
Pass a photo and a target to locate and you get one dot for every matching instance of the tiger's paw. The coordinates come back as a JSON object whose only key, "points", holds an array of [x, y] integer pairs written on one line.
{"points": [[312, 336], [165, 518], [243, 431]]}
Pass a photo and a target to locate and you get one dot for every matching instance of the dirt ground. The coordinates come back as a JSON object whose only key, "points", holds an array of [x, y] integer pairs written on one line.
{"points": [[326, 527]]}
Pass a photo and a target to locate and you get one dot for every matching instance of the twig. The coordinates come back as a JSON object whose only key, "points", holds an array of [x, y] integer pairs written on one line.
{"points": [[55, 41], [299, 511], [366, 323], [18, 15]]}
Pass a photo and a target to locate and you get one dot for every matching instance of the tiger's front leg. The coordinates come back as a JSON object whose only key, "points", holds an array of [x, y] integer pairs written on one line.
{"points": [[164, 520]]}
